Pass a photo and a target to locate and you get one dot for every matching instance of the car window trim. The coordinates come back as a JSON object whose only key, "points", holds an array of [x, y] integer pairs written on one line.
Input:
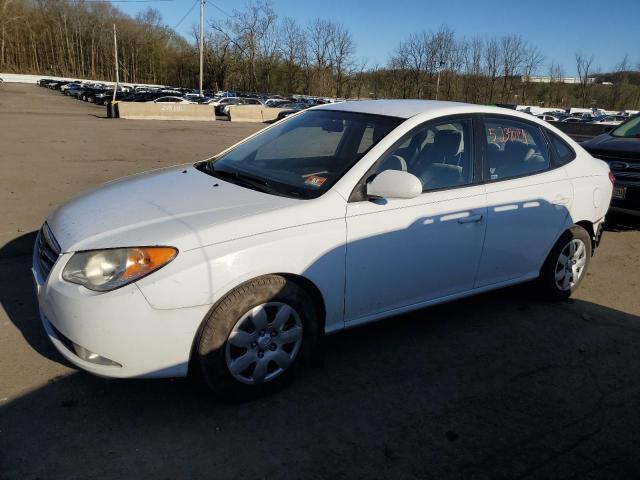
{"points": [[557, 162], [553, 164], [357, 194]]}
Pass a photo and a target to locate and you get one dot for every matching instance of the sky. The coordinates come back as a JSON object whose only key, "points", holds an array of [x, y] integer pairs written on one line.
{"points": [[559, 28]]}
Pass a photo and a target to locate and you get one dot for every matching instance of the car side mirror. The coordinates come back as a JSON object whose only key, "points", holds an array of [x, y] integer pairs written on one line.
{"points": [[394, 184]]}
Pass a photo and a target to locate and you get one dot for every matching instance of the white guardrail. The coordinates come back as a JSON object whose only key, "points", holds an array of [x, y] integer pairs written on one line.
{"points": [[20, 78]]}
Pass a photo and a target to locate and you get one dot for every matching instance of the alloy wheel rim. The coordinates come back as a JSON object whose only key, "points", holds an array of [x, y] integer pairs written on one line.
{"points": [[570, 264], [263, 343]]}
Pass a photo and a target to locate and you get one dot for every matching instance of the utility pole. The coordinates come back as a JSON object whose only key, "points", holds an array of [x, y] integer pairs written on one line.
{"points": [[201, 40], [115, 46], [440, 65]]}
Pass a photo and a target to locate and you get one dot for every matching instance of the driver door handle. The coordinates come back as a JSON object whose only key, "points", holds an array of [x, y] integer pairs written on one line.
{"points": [[470, 218], [560, 200]]}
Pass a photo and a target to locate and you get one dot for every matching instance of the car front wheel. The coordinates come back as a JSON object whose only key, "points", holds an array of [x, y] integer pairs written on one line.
{"points": [[567, 263], [254, 340]]}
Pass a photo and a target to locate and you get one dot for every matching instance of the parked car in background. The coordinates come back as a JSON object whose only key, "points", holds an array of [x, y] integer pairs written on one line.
{"points": [[620, 148], [71, 88], [548, 118], [276, 102], [224, 109], [220, 103], [103, 98], [609, 119], [87, 90], [172, 99], [194, 97], [91, 96], [291, 108], [336, 217], [143, 96], [69, 85], [574, 120]]}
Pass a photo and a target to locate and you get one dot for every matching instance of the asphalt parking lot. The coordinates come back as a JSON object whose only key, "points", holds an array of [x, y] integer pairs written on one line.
{"points": [[503, 385]]}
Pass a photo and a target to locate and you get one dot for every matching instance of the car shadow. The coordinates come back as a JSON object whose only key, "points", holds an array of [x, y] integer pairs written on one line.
{"points": [[620, 222], [501, 385], [18, 298]]}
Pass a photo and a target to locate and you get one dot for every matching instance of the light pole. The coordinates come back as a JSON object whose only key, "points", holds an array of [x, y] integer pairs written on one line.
{"points": [[201, 40], [115, 46], [440, 65]]}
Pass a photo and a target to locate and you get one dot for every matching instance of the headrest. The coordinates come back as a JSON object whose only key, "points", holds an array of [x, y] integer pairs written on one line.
{"points": [[448, 141]]}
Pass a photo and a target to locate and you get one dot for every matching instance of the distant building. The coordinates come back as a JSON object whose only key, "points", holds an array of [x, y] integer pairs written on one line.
{"points": [[536, 79]]}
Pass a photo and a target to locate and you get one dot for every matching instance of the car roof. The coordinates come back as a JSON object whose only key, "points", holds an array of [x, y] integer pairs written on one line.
{"points": [[409, 108]]}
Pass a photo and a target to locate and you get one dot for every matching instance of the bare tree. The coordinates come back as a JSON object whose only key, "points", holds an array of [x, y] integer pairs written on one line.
{"points": [[556, 84], [320, 37], [292, 50], [399, 67], [512, 52], [473, 69], [251, 32], [492, 65], [341, 52], [415, 49], [583, 67], [620, 80], [532, 61]]}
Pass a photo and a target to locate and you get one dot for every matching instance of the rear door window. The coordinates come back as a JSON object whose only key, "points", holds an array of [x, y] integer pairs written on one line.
{"points": [[514, 149]]}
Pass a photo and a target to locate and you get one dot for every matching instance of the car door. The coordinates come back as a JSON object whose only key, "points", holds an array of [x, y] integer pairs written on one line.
{"points": [[407, 252], [528, 200]]}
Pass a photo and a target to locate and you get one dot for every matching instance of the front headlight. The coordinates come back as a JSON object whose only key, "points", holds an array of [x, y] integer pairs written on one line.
{"points": [[104, 270]]}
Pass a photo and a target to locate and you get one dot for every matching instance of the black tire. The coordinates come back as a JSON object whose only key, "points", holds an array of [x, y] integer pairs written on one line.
{"points": [[211, 343], [551, 267]]}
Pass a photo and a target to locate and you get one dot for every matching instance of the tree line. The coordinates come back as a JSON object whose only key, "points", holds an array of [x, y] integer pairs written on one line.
{"points": [[253, 49]]}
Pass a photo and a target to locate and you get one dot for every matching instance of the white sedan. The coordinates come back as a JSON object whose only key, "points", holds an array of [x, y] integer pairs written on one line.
{"points": [[335, 217]]}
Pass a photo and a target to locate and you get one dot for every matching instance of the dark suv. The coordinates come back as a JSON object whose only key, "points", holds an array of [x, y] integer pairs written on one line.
{"points": [[620, 148]]}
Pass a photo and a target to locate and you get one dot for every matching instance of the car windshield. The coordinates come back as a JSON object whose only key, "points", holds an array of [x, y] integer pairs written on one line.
{"points": [[303, 156], [628, 129]]}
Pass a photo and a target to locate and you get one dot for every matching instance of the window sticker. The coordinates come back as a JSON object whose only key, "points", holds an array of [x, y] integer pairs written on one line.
{"points": [[507, 134], [315, 180]]}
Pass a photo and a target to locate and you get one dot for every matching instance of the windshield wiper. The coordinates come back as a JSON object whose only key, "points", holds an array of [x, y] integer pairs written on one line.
{"points": [[248, 180]]}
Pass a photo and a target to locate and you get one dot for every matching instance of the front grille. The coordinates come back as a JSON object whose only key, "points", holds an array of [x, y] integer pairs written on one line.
{"points": [[626, 171], [47, 250]]}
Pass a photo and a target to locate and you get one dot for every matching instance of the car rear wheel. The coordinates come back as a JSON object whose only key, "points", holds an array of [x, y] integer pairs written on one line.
{"points": [[255, 339], [567, 263]]}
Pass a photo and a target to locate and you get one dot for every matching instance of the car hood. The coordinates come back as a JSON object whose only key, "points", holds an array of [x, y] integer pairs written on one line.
{"points": [[178, 206], [606, 144]]}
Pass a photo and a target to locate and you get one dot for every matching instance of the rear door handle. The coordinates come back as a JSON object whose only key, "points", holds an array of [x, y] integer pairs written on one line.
{"points": [[470, 218]]}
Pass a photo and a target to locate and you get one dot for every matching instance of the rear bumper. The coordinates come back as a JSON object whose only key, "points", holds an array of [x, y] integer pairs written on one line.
{"points": [[631, 203]]}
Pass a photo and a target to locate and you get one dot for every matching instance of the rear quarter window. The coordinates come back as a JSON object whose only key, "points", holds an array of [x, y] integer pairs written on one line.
{"points": [[564, 153]]}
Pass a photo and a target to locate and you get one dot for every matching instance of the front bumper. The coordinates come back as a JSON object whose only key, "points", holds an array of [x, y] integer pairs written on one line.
{"points": [[119, 325]]}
